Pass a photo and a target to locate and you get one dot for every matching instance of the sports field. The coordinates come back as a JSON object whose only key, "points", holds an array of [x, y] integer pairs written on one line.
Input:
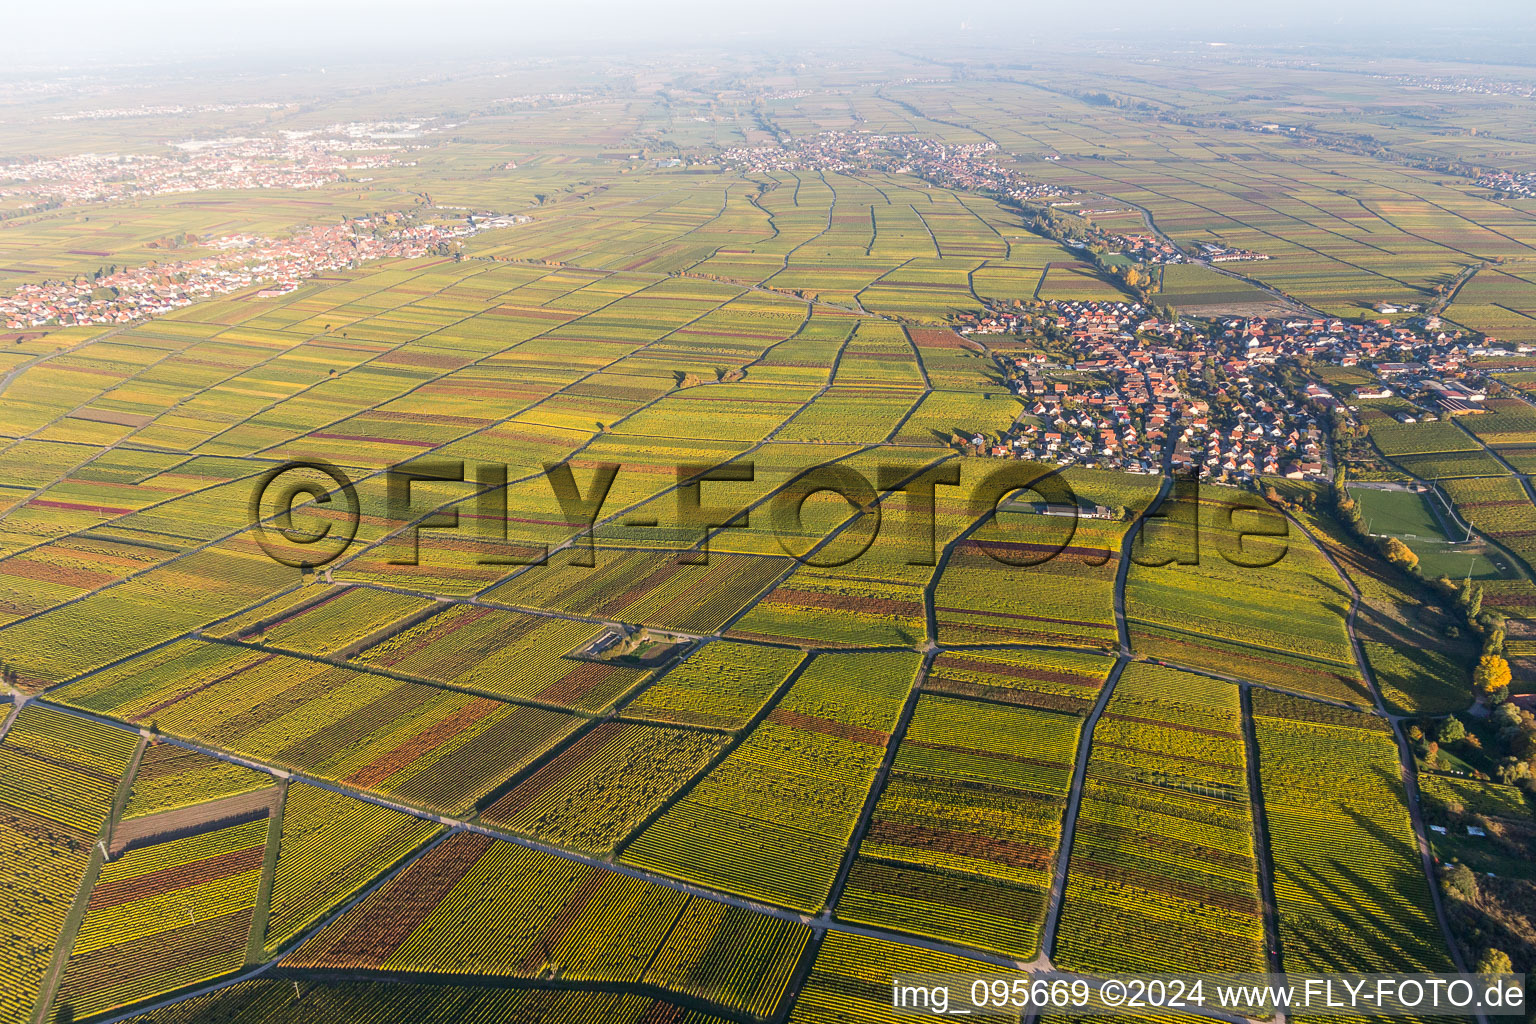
{"points": [[1410, 517]]}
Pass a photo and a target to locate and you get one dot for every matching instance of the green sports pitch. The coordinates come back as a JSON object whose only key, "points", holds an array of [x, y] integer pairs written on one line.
{"points": [[1407, 515]]}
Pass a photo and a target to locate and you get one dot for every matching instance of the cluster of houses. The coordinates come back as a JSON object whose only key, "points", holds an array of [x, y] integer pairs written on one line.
{"points": [[1473, 84], [1510, 184], [1332, 340], [1227, 254], [965, 166], [1112, 409], [1139, 392], [1262, 431], [280, 162], [1428, 386], [161, 110], [137, 293], [1147, 248]]}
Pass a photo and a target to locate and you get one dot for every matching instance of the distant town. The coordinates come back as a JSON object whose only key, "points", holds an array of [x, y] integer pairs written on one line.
{"points": [[1114, 385], [962, 167], [121, 296]]}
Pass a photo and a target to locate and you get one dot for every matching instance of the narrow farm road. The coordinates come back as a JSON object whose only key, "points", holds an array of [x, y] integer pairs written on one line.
{"points": [[820, 925], [1261, 855], [1085, 740], [1409, 773]]}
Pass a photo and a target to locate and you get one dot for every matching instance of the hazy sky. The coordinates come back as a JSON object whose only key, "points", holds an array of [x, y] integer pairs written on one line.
{"points": [[44, 34]]}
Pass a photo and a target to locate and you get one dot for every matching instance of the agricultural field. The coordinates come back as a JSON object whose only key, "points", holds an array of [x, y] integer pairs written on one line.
{"points": [[1051, 680], [1499, 302], [599, 789], [538, 693], [1023, 577], [851, 979], [1163, 875], [1508, 422], [169, 777], [542, 919], [61, 776], [772, 820], [1348, 883], [331, 846], [723, 685], [275, 1002], [166, 916], [475, 648], [646, 587], [961, 843], [1214, 606], [1419, 662], [1441, 436], [426, 745], [1498, 507], [1194, 289]]}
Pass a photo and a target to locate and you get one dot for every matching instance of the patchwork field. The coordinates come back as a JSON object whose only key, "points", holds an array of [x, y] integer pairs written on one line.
{"points": [[646, 551]]}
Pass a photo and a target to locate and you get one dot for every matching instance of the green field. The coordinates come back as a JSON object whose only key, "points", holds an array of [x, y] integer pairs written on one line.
{"points": [[679, 659], [1409, 517]]}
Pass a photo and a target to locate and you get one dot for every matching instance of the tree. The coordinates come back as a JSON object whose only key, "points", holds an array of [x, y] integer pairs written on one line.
{"points": [[1494, 962], [1491, 678], [1512, 770], [1474, 601], [1400, 555], [1506, 717], [1452, 731], [1460, 881]]}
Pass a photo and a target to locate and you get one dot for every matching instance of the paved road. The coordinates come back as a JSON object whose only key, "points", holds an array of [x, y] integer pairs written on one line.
{"points": [[1261, 850], [1085, 739], [1408, 772], [822, 923]]}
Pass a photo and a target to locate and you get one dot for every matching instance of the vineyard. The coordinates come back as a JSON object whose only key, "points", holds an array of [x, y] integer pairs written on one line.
{"points": [[1498, 507], [333, 621], [169, 777], [1348, 881], [277, 1002], [430, 745], [720, 686], [1163, 876], [648, 587], [876, 600], [772, 820], [1050, 680], [166, 916], [962, 841], [331, 846], [1267, 607], [1393, 621], [58, 777], [474, 905], [1508, 421], [422, 619], [599, 789], [851, 979], [477, 648], [1400, 439], [1028, 578]]}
